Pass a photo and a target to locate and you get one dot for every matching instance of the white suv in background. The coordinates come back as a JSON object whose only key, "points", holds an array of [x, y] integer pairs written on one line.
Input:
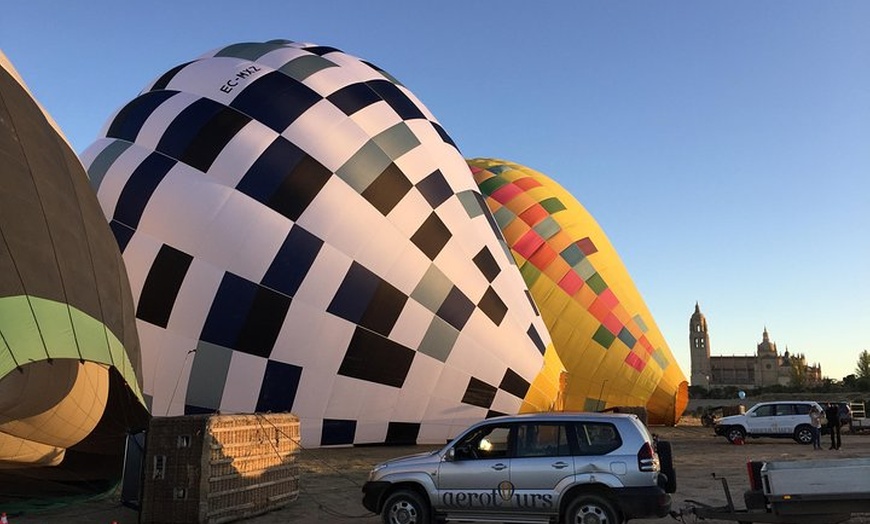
{"points": [[780, 419]]}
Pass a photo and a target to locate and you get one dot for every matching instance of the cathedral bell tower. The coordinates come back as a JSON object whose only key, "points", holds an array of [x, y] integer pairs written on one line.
{"points": [[699, 346]]}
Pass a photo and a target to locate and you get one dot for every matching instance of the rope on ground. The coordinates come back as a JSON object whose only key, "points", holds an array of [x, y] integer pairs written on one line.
{"points": [[320, 505]]}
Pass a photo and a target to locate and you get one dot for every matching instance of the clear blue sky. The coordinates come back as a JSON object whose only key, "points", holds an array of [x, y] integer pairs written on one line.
{"points": [[723, 146]]}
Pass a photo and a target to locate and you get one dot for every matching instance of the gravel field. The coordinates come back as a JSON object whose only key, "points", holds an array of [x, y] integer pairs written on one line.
{"points": [[331, 479]]}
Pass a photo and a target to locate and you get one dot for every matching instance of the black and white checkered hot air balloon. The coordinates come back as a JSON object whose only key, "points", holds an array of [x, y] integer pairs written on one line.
{"points": [[303, 236]]}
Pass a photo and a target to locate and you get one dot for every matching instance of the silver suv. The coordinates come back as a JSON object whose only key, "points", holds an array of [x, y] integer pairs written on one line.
{"points": [[547, 467], [782, 419]]}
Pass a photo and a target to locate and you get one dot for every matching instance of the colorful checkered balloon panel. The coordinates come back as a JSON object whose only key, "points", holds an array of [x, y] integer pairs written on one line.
{"points": [[613, 352], [69, 352], [302, 235]]}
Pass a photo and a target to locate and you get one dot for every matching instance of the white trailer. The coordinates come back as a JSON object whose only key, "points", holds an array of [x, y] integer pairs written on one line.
{"points": [[859, 421], [797, 492], [817, 486]]}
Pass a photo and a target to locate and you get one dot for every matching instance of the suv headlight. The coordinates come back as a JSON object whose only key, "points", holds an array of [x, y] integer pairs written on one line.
{"points": [[375, 470]]}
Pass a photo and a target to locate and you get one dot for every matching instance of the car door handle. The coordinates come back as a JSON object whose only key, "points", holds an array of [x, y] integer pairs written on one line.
{"points": [[560, 465], [499, 466]]}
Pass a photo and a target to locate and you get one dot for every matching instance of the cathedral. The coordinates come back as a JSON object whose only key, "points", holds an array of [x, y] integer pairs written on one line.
{"points": [[765, 368]]}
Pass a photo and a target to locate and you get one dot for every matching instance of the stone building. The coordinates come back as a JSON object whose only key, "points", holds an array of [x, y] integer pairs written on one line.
{"points": [[765, 368]]}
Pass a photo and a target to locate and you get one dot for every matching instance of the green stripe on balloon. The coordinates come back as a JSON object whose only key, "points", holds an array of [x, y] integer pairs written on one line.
{"points": [[35, 329]]}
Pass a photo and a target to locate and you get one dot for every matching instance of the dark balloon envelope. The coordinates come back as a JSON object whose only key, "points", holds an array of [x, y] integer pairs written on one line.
{"points": [[69, 352]]}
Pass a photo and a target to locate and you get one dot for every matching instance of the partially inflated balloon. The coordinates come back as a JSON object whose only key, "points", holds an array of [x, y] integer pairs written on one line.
{"points": [[302, 235], [69, 353], [603, 332]]}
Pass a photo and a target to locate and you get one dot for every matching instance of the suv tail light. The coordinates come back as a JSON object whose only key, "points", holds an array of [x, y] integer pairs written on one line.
{"points": [[753, 469], [647, 460]]}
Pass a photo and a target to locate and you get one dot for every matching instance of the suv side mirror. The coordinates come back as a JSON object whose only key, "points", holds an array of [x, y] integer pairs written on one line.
{"points": [[462, 451]]}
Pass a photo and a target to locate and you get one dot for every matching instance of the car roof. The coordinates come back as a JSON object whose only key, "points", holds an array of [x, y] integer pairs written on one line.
{"points": [[787, 402], [563, 415]]}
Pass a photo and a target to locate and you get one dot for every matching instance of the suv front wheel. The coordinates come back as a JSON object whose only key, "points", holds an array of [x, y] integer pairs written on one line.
{"points": [[735, 433], [591, 509], [406, 507]]}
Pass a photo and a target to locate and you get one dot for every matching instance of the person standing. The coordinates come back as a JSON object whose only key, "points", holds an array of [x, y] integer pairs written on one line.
{"points": [[832, 413], [816, 424]]}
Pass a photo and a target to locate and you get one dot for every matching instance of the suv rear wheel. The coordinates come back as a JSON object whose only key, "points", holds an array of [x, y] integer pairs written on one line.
{"points": [[405, 507], [591, 509], [735, 433], [666, 458], [803, 434]]}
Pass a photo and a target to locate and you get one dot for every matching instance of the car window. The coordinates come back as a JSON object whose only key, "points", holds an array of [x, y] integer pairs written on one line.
{"points": [[765, 411], [783, 410], [542, 440], [802, 409], [596, 438], [487, 442]]}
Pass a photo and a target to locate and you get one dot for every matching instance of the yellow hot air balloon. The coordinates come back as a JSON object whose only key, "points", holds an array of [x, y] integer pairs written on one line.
{"points": [[605, 336]]}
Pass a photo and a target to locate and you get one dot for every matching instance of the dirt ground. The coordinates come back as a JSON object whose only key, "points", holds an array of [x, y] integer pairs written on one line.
{"points": [[331, 479]]}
